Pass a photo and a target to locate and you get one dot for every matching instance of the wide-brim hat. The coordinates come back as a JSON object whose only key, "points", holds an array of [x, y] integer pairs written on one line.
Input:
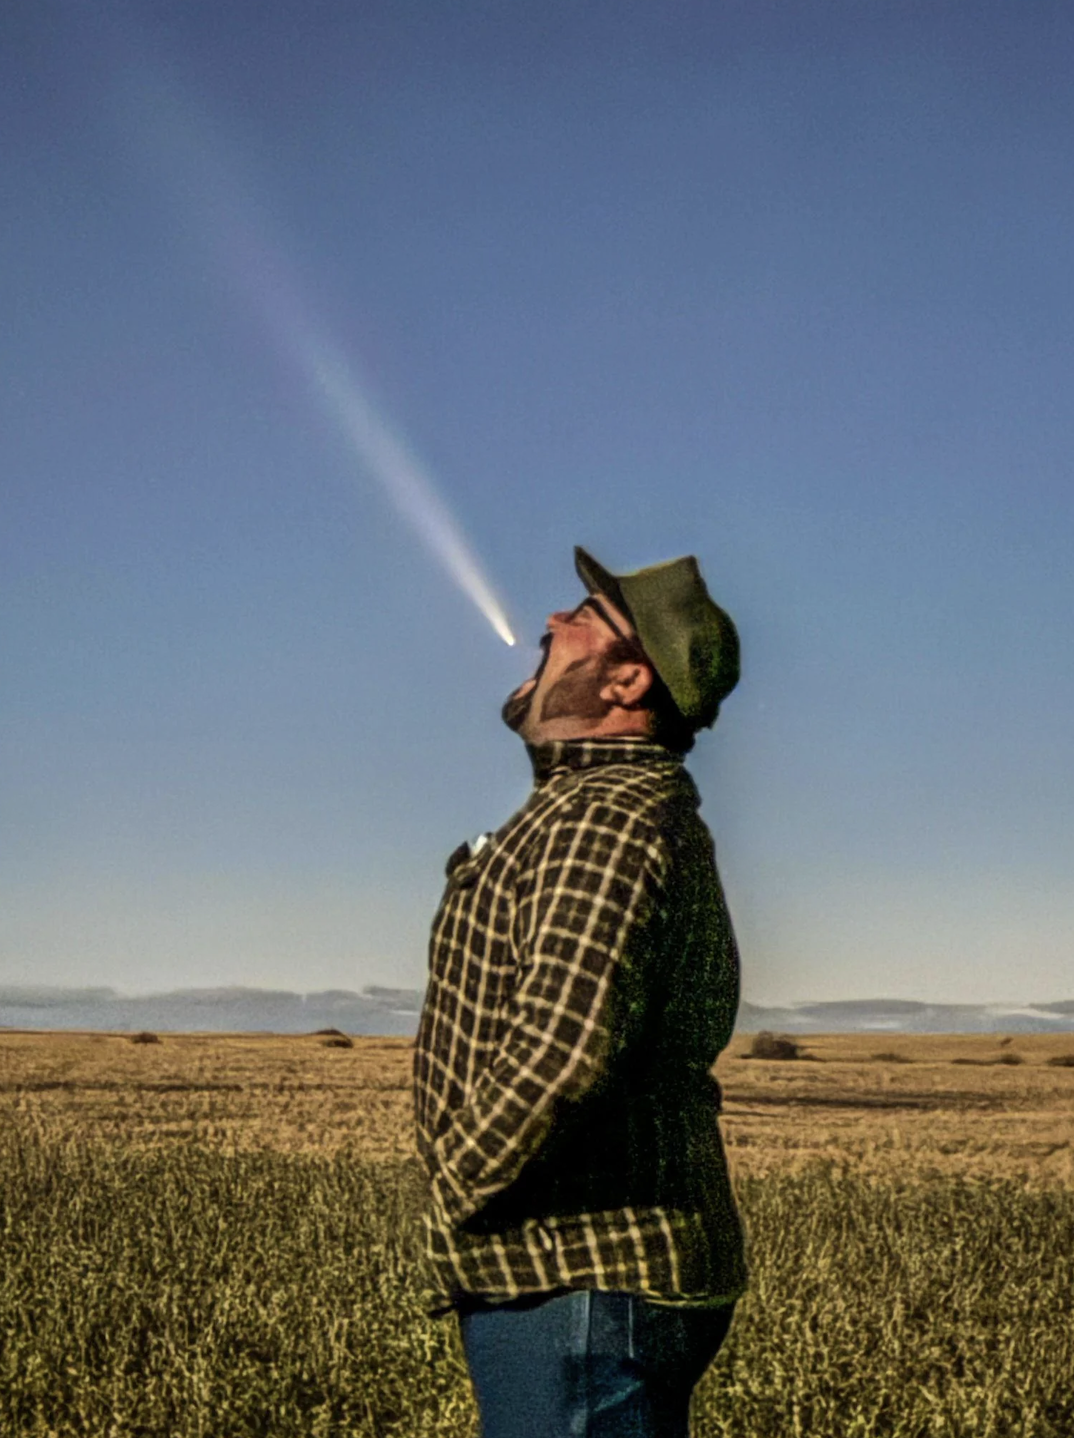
{"points": [[691, 642]]}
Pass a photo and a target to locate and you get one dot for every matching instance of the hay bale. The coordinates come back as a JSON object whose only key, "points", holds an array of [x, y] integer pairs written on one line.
{"points": [[767, 1045], [145, 1037]]}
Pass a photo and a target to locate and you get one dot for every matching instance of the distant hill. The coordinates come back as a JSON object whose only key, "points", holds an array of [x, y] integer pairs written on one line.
{"points": [[225, 1010], [908, 1016], [378, 1010]]}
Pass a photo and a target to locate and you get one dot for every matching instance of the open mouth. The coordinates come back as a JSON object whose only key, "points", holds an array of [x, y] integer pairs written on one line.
{"points": [[545, 643], [528, 685], [518, 703]]}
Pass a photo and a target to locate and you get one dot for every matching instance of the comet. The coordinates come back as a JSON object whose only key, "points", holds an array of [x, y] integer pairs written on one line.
{"points": [[401, 475], [210, 201]]}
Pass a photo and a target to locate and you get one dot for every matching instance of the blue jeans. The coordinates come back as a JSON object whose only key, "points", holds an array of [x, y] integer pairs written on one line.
{"points": [[588, 1364]]}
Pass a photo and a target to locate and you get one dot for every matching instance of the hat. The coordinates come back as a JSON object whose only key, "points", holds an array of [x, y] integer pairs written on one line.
{"points": [[691, 642]]}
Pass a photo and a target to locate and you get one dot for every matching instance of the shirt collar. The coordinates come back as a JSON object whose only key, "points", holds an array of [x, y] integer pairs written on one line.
{"points": [[558, 755]]}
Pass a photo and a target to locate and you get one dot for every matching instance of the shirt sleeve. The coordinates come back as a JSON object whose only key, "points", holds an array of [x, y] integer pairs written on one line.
{"points": [[583, 898]]}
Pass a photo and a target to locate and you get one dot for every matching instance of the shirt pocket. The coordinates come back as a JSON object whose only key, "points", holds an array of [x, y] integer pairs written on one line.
{"points": [[464, 873]]}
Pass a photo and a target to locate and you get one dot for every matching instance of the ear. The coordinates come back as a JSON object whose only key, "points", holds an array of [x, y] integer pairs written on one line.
{"points": [[626, 685]]}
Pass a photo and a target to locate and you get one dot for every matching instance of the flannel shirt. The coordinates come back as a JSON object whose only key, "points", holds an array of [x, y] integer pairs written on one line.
{"points": [[583, 978]]}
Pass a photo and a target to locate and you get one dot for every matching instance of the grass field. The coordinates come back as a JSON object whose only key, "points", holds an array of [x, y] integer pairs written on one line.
{"points": [[216, 1236]]}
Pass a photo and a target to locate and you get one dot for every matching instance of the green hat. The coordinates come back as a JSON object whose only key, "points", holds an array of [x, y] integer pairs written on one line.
{"points": [[691, 642]]}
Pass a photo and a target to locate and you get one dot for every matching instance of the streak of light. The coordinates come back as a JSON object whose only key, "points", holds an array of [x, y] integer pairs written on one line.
{"points": [[210, 200], [403, 477]]}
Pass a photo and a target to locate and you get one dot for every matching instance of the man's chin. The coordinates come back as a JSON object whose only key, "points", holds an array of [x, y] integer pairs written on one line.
{"points": [[518, 703], [515, 709]]}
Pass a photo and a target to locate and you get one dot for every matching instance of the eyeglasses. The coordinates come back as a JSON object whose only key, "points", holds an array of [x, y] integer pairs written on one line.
{"points": [[591, 602]]}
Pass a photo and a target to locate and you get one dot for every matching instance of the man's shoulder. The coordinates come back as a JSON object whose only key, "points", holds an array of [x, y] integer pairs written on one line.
{"points": [[640, 803], [639, 800], [636, 786]]}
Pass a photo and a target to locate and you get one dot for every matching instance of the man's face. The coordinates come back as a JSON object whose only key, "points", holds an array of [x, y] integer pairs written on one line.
{"points": [[568, 681]]}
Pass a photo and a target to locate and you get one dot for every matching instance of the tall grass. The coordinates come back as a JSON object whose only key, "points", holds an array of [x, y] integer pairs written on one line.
{"points": [[940, 1309], [182, 1291]]}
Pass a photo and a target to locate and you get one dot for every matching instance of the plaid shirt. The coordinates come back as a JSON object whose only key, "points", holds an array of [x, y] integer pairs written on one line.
{"points": [[583, 979]]}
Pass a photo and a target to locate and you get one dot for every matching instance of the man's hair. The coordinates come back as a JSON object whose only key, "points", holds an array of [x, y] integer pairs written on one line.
{"points": [[667, 726]]}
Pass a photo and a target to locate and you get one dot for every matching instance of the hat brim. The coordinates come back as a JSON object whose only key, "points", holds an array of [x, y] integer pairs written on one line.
{"points": [[599, 581]]}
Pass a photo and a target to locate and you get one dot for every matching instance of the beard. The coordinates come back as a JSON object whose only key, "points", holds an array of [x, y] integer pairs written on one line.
{"points": [[516, 706], [575, 695]]}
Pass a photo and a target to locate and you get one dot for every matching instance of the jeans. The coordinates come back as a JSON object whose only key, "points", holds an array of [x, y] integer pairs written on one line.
{"points": [[588, 1364]]}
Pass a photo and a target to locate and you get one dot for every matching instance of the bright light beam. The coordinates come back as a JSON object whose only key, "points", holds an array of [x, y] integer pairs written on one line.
{"points": [[401, 475], [227, 224]]}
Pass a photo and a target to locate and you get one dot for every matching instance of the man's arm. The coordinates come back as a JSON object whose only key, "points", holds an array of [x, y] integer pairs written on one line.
{"points": [[590, 887]]}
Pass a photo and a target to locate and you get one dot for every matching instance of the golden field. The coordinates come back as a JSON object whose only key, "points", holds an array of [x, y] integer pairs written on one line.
{"points": [[217, 1236], [927, 1105]]}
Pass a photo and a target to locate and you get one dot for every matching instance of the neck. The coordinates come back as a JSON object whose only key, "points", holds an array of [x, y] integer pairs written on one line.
{"points": [[615, 724]]}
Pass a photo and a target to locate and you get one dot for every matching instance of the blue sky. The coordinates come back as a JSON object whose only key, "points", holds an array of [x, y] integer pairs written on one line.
{"points": [[785, 286]]}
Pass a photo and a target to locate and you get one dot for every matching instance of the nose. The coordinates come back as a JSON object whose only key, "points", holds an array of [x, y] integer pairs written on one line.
{"points": [[558, 617]]}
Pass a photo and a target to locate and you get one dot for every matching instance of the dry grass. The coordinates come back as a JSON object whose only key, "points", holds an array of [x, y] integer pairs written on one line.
{"points": [[216, 1236], [236, 1092], [924, 1105], [950, 1105]]}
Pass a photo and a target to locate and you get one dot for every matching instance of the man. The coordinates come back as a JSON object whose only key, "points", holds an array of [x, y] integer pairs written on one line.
{"points": [[583, 979]]}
